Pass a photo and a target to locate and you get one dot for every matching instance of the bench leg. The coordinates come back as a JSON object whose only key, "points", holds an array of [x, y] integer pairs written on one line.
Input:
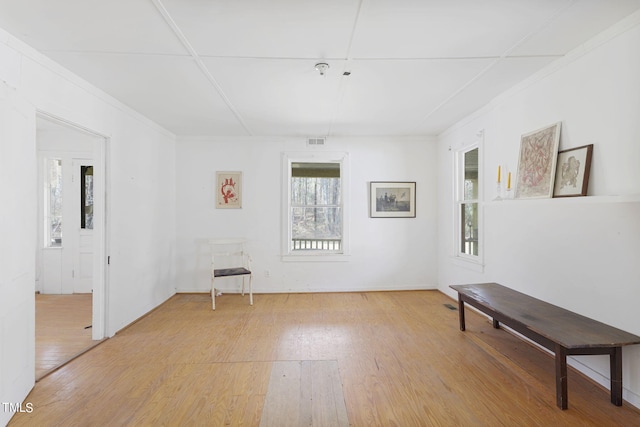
{"points": [[615, 360], [461, 312], [561, 377]]}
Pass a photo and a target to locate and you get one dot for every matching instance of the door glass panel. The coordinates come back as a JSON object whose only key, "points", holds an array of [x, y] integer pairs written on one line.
{"points": [[86, 197]]}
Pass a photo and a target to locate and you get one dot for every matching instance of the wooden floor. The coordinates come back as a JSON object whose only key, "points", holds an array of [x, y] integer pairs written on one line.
{"points": [[304, 393], [61, 329], [401, 359]]}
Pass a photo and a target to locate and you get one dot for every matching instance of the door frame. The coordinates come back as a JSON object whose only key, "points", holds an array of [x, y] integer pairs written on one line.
{"points": [[100, 300]]}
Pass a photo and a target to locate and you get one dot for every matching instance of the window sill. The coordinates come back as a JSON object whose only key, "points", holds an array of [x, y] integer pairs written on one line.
{"points": [[315, 257], [471, 264]]}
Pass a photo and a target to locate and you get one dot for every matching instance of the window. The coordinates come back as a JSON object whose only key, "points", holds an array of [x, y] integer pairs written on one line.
{"points": [[53, 203], [467, 203], [315, 213]]}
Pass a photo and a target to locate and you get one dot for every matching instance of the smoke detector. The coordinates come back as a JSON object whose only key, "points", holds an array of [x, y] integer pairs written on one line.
{"points": [[322, 67]]}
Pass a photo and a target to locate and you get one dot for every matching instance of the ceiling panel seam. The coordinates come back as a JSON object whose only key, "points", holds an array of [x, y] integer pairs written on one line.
{"points": [[347, 66], [203, 68], [499, 59]]}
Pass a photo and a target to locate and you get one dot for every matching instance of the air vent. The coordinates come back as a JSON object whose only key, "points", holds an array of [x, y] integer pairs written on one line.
{"points": [[450, 307], [314, 142]]}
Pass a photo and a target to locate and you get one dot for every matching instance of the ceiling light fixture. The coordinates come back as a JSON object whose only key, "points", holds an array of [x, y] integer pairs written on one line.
{"points": [[322, 67]]}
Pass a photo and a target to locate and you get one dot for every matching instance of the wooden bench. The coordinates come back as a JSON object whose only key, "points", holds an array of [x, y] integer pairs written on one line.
{"points": [[561, 331]]}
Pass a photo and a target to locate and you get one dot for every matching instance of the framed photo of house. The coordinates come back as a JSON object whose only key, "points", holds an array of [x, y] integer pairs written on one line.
{"points": [[389, 199], [537, 162], [228, 190], [572, 171]]}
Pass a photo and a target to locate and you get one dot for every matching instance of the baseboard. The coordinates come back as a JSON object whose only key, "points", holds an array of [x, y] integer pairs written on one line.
{"points": [[148, 311], [282, 290]]}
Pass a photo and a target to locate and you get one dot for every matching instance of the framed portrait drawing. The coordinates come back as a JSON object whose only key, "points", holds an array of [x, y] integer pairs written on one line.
{"points": [[392, 199], [228, 190], [572, 171], [537, 162]]}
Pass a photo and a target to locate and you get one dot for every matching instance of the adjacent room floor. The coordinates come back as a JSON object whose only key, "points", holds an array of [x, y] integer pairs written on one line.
{"points": [[392, 359], [63, 329]]}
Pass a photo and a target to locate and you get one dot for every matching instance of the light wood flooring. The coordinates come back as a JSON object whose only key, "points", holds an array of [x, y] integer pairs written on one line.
{"points": [[61, 329], [401, 359]]}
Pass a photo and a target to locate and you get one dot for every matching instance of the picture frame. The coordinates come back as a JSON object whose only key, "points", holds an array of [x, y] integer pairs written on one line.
{"points": [[537, 162], [392, 199], [572, 171], [228, 190]]}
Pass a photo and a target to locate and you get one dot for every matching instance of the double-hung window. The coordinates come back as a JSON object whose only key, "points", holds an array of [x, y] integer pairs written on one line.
{"points": [[315, 204], [468, 230]]}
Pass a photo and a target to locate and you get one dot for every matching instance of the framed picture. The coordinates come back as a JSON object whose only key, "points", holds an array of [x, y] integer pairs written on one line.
{"points": [[572, 171], [537, 162], [392, 200], [228, 190]]}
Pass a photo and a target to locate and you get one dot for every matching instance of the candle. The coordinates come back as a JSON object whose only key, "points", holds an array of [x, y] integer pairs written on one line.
{"points": [[509, 181], [498, 174]]}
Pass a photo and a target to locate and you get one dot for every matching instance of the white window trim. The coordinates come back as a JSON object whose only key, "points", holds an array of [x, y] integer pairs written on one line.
{"points": [[474, 262], [316, 156]]}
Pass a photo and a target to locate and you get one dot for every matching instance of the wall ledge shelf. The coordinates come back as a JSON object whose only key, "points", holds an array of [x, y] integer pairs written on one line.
{"points": [[632, 198]]}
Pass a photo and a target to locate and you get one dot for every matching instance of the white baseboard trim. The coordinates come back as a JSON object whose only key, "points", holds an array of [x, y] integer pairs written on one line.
{"points": [[236, 290]]}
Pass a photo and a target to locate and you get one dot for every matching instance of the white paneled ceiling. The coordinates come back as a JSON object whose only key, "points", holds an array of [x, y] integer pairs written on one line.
{"points": [[246, 67]]}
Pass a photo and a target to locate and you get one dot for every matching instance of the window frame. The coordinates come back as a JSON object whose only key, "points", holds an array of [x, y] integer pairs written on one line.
{"points": [[288, 159], [459, 200]]}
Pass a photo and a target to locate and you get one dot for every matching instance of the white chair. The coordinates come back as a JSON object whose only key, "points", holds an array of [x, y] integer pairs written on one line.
{"points": [[230, 259]]}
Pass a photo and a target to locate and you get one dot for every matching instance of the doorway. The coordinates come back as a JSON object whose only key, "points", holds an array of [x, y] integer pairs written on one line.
{"points": [[71, 247]]}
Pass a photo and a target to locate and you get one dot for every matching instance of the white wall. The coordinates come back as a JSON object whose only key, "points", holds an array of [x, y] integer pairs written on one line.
{"points": [[17, 254], [385, 253], [140, 203], [578, 253]]}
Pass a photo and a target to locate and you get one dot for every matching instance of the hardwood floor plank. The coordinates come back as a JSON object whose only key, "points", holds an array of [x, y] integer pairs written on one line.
{"points": [[285, 403], [304, 393], [399, 357], [328, 407]]}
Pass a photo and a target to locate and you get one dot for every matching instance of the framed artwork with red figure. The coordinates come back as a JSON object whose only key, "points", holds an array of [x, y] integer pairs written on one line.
{"points": [[228, 190]]}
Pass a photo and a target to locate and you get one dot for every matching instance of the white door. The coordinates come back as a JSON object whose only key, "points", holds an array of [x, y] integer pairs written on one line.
{"points": [[65, 256], [82, 226]]}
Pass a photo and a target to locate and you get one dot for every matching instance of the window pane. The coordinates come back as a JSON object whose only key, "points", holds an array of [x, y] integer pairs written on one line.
{"points": [[316, 224], [469, 227], [315, 191], [53, 207], [471, 175]]}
